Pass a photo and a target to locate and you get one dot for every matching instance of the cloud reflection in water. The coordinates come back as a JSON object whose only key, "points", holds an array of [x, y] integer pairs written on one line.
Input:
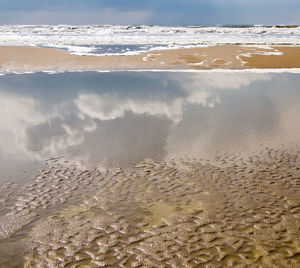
{"points": [[122, 118]]}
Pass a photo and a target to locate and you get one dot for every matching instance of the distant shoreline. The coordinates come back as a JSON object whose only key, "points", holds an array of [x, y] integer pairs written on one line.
{"points": [[230, 57]]}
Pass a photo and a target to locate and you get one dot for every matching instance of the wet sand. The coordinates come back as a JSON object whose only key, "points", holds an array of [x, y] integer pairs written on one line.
{"points": [[213, 183], [230, 212], [20, 59]]}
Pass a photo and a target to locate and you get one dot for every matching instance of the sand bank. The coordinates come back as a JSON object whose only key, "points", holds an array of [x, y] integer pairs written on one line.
{"points": [[20, 59]]}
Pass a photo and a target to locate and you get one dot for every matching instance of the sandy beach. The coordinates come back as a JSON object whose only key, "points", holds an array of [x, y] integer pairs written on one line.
{"points": [[20, 59], [158, 134], [234, 212]]}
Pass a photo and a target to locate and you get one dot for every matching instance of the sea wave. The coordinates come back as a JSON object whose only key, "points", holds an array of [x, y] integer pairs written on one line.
{"points": [[127, 39]]}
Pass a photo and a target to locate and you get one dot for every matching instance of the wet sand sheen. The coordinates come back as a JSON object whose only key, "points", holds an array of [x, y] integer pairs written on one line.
{"points": [[20, 59], [164, 214]]}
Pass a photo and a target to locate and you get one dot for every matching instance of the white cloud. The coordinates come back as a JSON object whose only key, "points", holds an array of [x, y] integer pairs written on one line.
{"points": [[200, 88], [227, 80], [108, 107], [204, 89], [17, 114]]}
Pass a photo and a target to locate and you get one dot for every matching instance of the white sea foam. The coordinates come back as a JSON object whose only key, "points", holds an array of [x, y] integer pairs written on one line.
{"points": [[112, 40], [254, 70]]}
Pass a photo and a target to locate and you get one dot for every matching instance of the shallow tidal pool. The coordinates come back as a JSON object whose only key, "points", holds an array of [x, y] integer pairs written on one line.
{"points": [[150, 169]]}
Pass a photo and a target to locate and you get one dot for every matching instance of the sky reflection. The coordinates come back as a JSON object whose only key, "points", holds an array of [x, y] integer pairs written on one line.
{"points": [[122, 118]]}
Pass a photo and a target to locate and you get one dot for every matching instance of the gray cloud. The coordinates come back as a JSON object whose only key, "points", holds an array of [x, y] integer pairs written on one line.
{"points": [[102, 16], [150, 12]]}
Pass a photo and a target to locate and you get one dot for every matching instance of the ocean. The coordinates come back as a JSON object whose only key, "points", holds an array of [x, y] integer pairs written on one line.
{"points": [[128, 40]]}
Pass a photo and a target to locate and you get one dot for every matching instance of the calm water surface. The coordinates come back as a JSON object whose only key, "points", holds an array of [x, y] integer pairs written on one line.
{"points": [[105, 119], [90, 163]]}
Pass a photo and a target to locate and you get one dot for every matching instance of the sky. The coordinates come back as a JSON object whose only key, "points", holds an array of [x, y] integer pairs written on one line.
{"points": [[151, 12]]}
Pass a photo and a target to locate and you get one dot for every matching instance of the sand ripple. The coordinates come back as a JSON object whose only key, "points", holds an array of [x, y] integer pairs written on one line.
{"points": [[232, 211]]}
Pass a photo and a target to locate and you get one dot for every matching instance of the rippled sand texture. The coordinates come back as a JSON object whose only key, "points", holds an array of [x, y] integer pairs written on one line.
{"points": [[229, 211]]}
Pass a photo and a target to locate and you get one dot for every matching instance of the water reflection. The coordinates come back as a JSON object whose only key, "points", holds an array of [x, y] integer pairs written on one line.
{"points": [[122, 118]]}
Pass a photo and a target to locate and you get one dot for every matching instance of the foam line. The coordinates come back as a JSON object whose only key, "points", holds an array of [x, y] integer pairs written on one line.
{"points": [[254, 70], [131, 40]]}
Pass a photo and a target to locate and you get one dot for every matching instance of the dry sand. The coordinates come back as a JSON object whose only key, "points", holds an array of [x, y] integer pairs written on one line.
{"points": [[224, 57]]}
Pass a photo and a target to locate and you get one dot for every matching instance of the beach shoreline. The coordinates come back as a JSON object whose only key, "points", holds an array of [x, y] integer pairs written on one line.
{"points": [[224, 57]]}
